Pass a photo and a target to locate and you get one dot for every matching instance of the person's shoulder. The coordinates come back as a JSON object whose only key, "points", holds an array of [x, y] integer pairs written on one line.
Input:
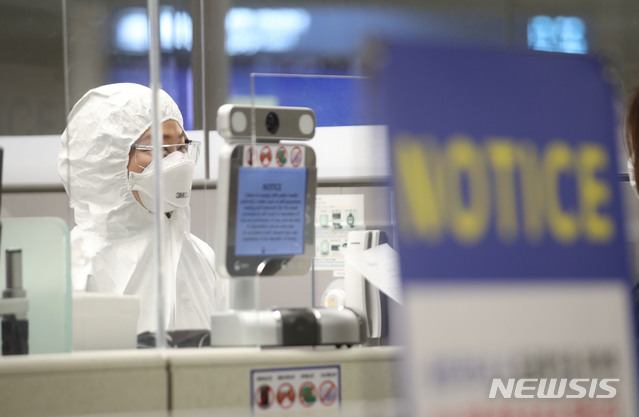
{"points": [[203, 247]]}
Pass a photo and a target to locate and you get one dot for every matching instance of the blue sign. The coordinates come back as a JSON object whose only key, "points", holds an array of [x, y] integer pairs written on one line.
{"points": [[504, 165], [510, 232]]}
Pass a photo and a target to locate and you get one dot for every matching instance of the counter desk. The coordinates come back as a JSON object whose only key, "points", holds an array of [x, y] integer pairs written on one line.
{"points": [[189, 381]]}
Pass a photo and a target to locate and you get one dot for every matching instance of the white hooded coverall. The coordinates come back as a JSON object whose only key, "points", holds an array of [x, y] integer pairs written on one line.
{"points": [[112, 241]]}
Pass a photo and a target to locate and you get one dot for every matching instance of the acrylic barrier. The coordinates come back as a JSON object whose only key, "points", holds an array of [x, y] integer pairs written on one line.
{"points": [[44, 245]]}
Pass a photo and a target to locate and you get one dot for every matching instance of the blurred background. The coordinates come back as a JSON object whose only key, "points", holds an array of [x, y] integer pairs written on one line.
{"points": [[53, 51], [53, 48]]}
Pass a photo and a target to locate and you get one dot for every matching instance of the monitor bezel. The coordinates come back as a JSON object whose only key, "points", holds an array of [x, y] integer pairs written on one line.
{"points": [[266, 265]]}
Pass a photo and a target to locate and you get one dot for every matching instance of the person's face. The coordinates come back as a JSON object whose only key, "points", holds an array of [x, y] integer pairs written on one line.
{"points": [[172, 134]]}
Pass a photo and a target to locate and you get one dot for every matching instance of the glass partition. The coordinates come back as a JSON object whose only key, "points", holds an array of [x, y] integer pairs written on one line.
{"points": [[211, 53], [132, 225], [353, 197], [42, 266], [34, 241], [111, 59], [245, 52]]}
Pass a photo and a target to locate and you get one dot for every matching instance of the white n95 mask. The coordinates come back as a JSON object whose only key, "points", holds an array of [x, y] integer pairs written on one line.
{"points": [[177, 179]]}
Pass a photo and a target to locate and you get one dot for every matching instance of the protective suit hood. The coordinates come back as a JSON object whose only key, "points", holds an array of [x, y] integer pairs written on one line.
{"points": [[94, 156], [113, 241]]}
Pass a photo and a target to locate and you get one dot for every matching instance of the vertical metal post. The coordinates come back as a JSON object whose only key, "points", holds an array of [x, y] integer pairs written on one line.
{"points": [[156, 133]]}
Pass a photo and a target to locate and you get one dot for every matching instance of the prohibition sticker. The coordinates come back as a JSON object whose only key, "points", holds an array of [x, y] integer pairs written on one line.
{"points": [[286, 395], [296, 156], [289, 391], [249, 155], [328, 392], [308, 394], [264, 396], [266, 156], [281, 156]]}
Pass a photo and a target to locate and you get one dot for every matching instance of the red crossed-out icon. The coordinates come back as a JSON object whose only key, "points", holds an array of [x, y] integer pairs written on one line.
{"points": [[308, 394], [249, 155], [266, 156], [296, 156], [281, 156], [328, 392], [264, 396], [286, 395]]}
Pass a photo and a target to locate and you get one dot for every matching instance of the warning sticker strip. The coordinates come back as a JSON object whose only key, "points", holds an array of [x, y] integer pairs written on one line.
{"points": [[287, 391], [274, 156]]}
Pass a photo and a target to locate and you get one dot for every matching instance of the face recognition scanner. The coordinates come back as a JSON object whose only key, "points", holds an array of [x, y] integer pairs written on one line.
{"points": [[265, 227]]}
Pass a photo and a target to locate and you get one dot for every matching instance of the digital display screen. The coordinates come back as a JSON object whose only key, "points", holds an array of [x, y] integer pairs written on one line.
{"points": [[271, 206]]}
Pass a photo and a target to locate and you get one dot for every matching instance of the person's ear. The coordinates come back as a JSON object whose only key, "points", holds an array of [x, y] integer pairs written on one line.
{"points": [[631, 177]]}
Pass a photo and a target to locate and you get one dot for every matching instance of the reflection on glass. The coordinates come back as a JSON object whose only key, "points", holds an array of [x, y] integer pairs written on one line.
{"points": [[128, 58], [132, 36], [250, 31], [559, 34]]}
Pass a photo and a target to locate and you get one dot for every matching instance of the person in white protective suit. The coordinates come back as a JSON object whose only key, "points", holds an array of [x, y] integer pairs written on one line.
{"points": [[106, 165]]}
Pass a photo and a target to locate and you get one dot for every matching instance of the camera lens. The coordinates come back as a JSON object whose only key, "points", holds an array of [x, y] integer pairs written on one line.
{"points": [[272, 123]]}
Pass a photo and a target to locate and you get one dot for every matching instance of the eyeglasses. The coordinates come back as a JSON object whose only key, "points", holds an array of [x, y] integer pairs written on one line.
{"points": [[143, 154]]}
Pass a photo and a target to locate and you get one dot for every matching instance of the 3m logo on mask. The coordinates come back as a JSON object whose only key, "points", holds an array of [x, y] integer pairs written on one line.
{"points": [[182, 194], [549, 388]]}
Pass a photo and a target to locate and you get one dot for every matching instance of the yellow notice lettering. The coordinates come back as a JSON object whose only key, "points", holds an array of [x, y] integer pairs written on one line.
{"points": [[532, 190], [464, 162], [502, 158], [594, 193], [558, 160], [419, 187], [463, 188]]}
